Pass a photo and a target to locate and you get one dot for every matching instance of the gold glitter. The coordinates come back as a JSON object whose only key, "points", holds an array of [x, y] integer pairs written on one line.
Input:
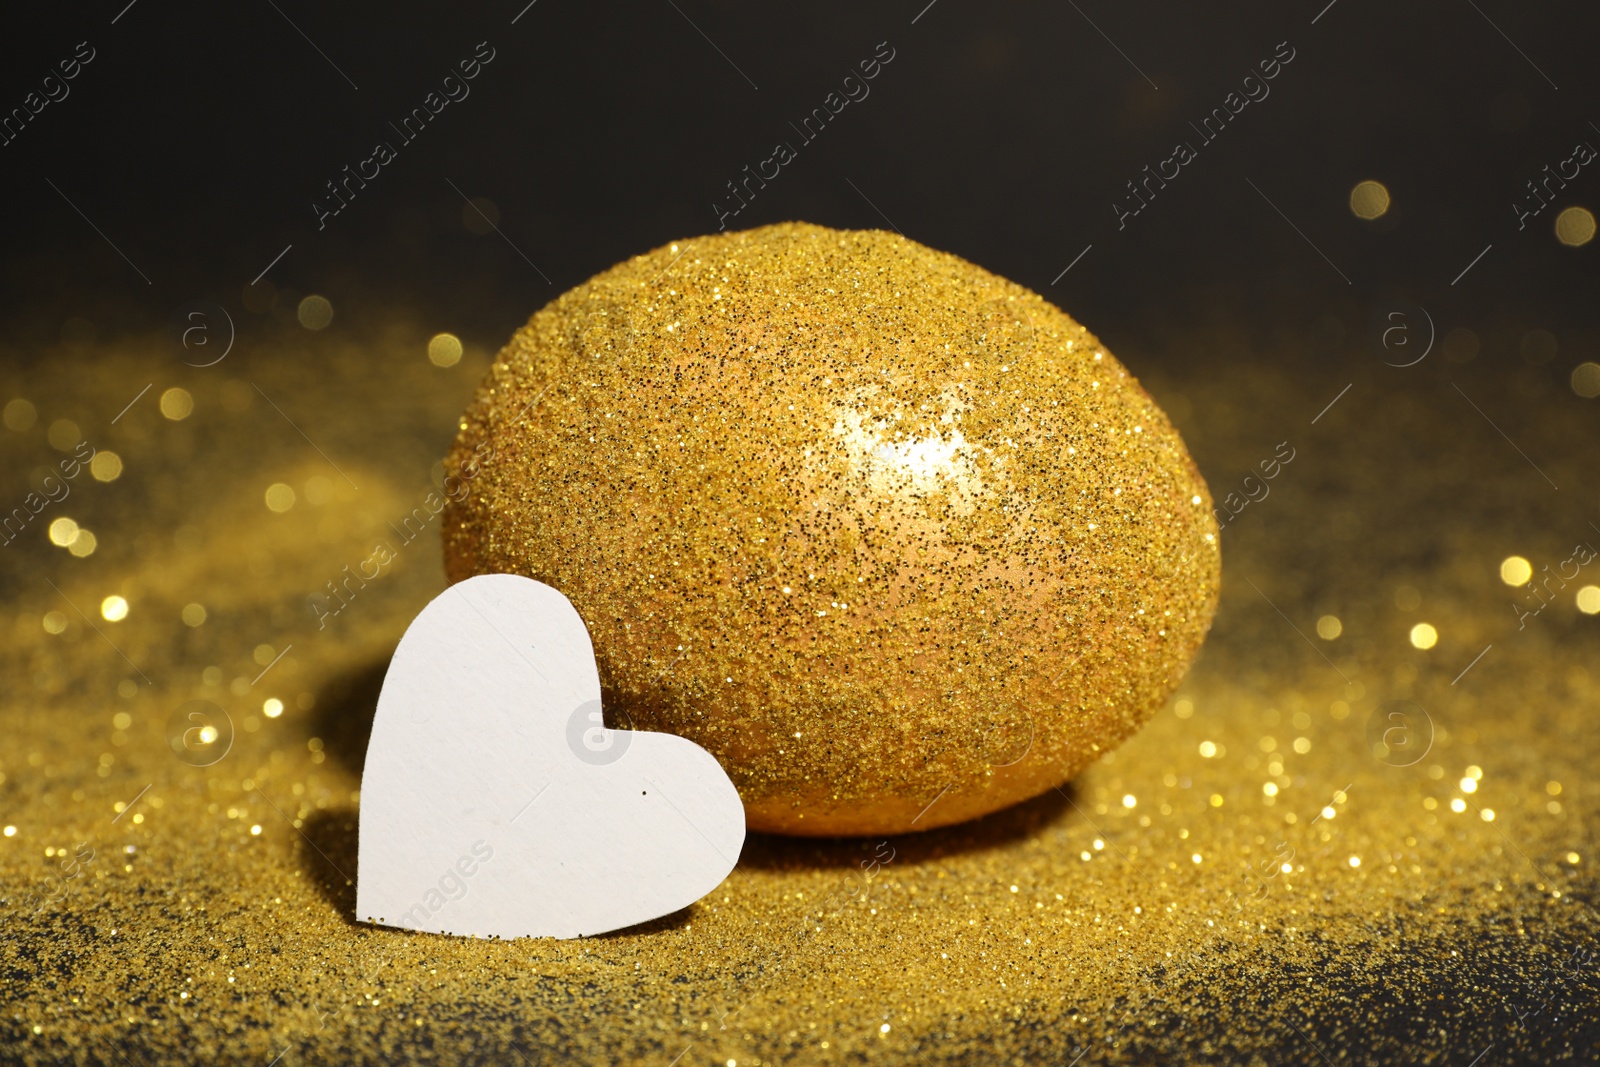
{"points": [[1451, 929], [1000, 555]]}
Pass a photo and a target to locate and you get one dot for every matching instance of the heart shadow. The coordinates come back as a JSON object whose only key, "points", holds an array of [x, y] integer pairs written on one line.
{"points": [[331, 861], [334, 847], [343, 720], [343, 717], [776, 852]]}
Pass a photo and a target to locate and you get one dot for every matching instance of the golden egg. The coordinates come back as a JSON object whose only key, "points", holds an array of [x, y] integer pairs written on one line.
{"points": [[894, 538]]}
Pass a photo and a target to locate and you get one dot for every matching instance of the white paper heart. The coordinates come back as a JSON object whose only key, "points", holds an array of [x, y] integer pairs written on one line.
{"points": [[494, 803]]}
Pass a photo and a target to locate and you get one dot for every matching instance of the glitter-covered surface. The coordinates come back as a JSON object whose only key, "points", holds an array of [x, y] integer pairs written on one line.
{"points": [[1073, 924], [873, 526]]}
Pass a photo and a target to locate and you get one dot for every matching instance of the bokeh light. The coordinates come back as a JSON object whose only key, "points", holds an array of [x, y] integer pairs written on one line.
{"points": [[1369, 200], [280, 497], [176, 404], [64, 435], [1424, 636], [1586, 379], [1514, 570], [84, 544], [63, 531], [19, 415], [444, 350], [318, 490], [106, 466], [315, 312], [1575, 227]]}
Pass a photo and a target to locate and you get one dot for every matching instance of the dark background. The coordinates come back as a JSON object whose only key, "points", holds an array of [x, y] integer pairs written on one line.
{"points": [[199, 136]]}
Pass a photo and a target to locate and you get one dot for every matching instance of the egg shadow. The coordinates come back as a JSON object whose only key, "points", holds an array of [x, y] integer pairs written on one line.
{"points": [[343, 720], [777, 852]]}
